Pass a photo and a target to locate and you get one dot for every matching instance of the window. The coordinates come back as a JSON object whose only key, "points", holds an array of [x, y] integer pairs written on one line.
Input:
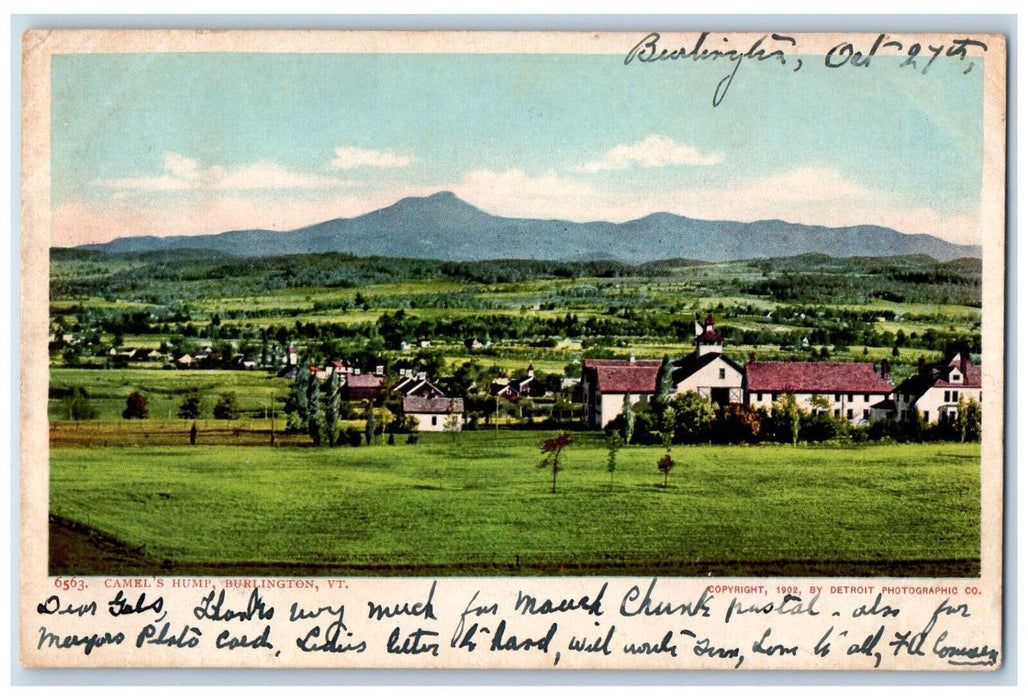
{"points": [[867, 398], [945, 396], [849, 413], [721, 373], [435, 419], [849, 398], [837, 413], [760, 396], [926, 416], [867, 414], [838, 397], [774, 397]]}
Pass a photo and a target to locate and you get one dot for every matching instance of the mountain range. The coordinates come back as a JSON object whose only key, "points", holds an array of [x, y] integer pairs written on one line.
{"points": [[444, 227]]}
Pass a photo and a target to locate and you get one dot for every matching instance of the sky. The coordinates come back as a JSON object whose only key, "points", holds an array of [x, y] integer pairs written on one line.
{"points": [[173, 144]]}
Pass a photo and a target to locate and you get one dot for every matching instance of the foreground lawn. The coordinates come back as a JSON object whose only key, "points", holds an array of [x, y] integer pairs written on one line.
{"points": [[479, 505]]}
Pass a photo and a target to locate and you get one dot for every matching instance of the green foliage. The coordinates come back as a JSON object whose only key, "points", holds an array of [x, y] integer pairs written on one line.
{"points": [[370, 422], [694, 418], [451, 424], [969, 420], [785, 419], [77, 405], [296, 407], [227, 406], [629, 419], [614, 444], [332, 409], [315, 411], [191, 407]]}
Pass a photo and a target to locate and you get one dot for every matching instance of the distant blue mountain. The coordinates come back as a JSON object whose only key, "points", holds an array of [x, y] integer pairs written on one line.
{"points": [[444, 227]]}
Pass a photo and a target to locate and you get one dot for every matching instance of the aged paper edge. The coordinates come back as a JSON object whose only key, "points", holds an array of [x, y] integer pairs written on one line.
{"points": [[39, 46]]}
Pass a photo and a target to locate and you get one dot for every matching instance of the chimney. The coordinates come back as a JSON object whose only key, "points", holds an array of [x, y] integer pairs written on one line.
{"points": [[423, 376], [531, 371], [631, 358], [920, 364], [885, 368], [963, 366], [379, 370], [753, 356]]}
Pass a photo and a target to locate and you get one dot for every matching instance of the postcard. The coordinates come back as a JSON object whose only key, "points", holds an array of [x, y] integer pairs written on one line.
{"points": [[521, 350]]}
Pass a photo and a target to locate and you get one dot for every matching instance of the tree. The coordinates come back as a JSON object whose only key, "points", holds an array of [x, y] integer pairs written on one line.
{"points": [[737, 423], [296, 403], [315, 414], [136, 406], [226, 408], [551, 450], [190, 407], [370, 421], [614, 443], [969, 419], [785, 416], [694, 416], [664, 465], [667, 426], [78, 406], [332, 409], [665, 387], [452, 422], [629, 414]]}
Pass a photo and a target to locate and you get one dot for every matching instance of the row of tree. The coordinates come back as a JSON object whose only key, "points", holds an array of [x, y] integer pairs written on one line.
{"points": [[690, 419]]}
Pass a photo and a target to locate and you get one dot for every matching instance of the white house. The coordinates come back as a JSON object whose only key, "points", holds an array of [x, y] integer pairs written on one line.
{"points": [[435, 414], [851, 389], [605, 383], [936, 389], [706, 371]]}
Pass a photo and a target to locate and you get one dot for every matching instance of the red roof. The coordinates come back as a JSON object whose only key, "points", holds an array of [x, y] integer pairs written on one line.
{"points": [[816, 377], [938, 375], [440, 404], [710, 336], [624, 376], [364, 380]]}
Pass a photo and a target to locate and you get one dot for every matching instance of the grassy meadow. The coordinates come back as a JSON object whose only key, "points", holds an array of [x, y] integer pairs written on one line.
{"points": [[134, 496], [477, 504]]}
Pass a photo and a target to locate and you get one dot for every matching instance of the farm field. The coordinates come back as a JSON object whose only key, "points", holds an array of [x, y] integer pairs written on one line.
{"points": [[476, 504]]}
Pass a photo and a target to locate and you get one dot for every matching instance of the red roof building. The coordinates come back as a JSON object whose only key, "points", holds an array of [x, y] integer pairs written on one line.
{"points": [[937, 389], [847, 389], [432, 413], [360, 387], [815, 377]]}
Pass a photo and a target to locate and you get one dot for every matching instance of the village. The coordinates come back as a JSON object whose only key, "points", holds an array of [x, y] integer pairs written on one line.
{"points": [[855, 394]]}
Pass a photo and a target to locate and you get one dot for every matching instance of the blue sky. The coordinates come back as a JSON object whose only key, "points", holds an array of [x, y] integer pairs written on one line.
{"points": [[200, 143]]}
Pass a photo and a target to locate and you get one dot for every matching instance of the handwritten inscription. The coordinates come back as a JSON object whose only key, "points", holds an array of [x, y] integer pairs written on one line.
{"points": [[712, 626], [771, 48]]}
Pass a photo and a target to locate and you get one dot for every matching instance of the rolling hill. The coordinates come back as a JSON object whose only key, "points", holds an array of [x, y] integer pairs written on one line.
{"points": [[444, 227]]}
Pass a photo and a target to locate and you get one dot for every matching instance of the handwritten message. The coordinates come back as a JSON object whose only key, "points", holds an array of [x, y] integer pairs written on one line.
{"points": [[580, 623], [775, 49]]}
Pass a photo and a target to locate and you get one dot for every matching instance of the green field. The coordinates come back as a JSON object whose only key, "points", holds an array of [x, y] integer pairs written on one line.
{"points": [[478, 505]]}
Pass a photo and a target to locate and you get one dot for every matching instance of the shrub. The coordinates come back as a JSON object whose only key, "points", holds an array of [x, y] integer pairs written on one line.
{"points": [[136, 406]]}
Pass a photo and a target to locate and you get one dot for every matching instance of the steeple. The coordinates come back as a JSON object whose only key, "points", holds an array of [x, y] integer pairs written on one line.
{"points": [[709, 340]]}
